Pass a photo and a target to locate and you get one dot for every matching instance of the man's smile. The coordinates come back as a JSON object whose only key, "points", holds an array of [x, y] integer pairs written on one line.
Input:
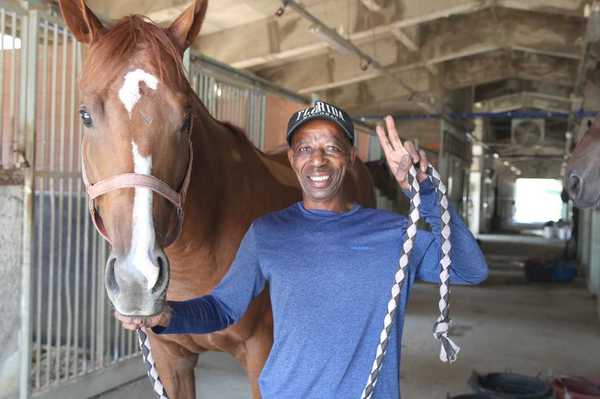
{"points": [[320, 178]]}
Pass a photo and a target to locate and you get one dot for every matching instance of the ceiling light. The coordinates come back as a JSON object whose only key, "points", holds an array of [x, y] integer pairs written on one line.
{"points": [[496, 156], [505, 163]]}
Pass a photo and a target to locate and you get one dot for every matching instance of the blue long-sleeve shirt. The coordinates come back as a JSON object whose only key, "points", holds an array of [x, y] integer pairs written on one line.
{"points": [[330, 277]]}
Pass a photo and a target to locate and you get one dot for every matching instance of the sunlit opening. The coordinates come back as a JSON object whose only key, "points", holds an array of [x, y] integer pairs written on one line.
{"points": [[9, 42], [538, 200]]}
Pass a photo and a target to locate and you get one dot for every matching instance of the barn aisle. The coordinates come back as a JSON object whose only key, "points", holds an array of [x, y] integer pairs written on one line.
{"points": [[504, 323]]}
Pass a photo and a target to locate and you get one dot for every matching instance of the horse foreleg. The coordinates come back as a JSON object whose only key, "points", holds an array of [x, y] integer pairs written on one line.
{"points": [[175, 366]]}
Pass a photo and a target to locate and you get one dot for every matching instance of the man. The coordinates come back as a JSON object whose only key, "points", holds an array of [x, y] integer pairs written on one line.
{"points": [[330, 265]]}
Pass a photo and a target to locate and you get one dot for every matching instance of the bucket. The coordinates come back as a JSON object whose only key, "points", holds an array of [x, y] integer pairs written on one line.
{"points": [[577, 387], [564, 274], [508, 385]]}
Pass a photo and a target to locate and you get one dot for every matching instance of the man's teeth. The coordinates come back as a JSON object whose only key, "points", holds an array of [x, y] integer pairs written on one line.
{"points": [[319, 178]]}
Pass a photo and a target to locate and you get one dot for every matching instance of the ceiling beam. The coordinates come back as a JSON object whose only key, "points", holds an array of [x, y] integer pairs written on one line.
{"points": [[513, 102], [546, 34], [378, 96], [247, 46], [372, 5], [328, 71], [448, 41], [572, 8], [410, 37], [501, 65]]}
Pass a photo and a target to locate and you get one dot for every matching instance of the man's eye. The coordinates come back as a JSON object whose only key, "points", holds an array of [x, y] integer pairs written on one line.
{"points": [[332, 148], [304, 149], [86, 118]]}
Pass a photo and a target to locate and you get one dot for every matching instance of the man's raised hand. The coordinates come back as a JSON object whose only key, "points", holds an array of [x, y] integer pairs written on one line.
{"points": [[400, 157]]}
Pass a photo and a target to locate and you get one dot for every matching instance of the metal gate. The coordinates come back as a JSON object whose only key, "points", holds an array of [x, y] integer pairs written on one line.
{"points": [[73, 346], [69, 319], [228, 99]]}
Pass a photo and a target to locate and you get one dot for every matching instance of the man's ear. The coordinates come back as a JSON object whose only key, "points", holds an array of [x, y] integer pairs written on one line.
{"points": [[352, 156], [290, 154], [186, 27], [81, 21]]}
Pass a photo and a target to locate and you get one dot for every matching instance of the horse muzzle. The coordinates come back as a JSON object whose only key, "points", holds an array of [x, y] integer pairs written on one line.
{"points": [[579, 192], [137, 286]]}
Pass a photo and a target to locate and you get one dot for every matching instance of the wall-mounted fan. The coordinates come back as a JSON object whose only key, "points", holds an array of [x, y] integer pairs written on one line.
{"points": [[528, 132]]}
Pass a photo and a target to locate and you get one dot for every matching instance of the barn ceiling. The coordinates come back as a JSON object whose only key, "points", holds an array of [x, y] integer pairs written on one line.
{"points": [[460, 55]]}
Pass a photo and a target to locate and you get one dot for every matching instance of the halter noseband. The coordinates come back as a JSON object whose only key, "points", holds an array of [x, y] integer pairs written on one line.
{"points": [[135, 180]]}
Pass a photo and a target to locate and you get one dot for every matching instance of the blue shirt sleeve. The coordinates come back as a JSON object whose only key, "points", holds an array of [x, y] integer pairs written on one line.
{"points": [[468, 263], [227, 302]]}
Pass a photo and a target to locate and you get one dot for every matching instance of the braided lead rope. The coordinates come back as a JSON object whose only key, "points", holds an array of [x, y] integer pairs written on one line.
{"points": [[443, 324], [407, 246], [146, 349]]}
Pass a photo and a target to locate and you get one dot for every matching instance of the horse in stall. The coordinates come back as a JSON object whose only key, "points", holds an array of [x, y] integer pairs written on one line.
{"points": [[582, 178], [144, 123]]}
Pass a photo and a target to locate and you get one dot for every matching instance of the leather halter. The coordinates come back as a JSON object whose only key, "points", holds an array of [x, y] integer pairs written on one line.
{"points": [[135, 180]]}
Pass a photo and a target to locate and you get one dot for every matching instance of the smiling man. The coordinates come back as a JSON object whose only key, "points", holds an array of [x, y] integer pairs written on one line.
{"points": [[330, 265]]}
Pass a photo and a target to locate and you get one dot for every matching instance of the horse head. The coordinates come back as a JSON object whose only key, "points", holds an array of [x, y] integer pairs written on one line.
{"points": [[583, 170], [136, 106]]}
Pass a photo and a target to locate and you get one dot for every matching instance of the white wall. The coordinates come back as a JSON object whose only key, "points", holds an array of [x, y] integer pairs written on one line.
{"points": [[11, 246]]}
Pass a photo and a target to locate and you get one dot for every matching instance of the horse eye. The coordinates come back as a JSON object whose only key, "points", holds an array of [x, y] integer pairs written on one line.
{"points": [[86, 118], [187, 123]]}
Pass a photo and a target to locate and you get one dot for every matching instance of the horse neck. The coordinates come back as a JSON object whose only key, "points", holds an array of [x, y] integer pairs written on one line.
{"points": [[215, 177]]}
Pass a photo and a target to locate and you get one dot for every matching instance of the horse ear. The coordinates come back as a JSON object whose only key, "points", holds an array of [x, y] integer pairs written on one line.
{"points": [[187, 26], [81, 21]]}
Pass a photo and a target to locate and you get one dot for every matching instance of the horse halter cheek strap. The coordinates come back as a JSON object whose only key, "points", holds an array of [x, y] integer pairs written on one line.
{"points": [[135, 180]]}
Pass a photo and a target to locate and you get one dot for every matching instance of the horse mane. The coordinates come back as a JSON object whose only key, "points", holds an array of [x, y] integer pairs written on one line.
{"points": [[237, 131], [123, 39]]}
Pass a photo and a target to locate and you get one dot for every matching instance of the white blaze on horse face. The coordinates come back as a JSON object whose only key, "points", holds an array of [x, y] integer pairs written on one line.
{"points": [[142, 237], [130, 92]]}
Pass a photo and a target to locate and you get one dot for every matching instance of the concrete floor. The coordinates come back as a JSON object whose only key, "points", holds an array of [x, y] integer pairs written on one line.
{"points": [[505, 323]]}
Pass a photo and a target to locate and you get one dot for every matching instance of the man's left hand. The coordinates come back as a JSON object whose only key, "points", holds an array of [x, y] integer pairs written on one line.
{"points": [[400, 157]]}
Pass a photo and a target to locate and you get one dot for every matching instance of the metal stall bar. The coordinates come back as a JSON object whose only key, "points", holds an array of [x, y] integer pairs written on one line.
{"points": [[61, 196], [2, 51], [68, 263], [41, 224], [12, 91], [18, 154], [27, 127], [50, 313]]}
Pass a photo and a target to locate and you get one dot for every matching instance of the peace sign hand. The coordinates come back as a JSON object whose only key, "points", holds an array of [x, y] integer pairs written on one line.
{"points": [[399, 157]]}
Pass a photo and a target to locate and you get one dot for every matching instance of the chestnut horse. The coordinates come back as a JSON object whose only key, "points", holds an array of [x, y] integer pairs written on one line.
{"points": [[141, 117], [583, 170]]}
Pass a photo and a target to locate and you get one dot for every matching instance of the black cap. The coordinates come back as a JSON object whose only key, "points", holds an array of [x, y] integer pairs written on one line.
{"points": [[324, 111]]}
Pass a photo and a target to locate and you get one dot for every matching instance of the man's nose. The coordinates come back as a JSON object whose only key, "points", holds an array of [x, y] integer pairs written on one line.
{"points": [[317, 158]]}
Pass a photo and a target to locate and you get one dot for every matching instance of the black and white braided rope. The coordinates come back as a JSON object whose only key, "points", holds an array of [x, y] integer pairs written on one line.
{"points": [[442, 326], [146, 349]]}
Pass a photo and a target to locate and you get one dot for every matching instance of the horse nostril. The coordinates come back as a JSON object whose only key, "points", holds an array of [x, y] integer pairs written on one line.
{"points": [[163, 274], [111, 280], [575, 186]]}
